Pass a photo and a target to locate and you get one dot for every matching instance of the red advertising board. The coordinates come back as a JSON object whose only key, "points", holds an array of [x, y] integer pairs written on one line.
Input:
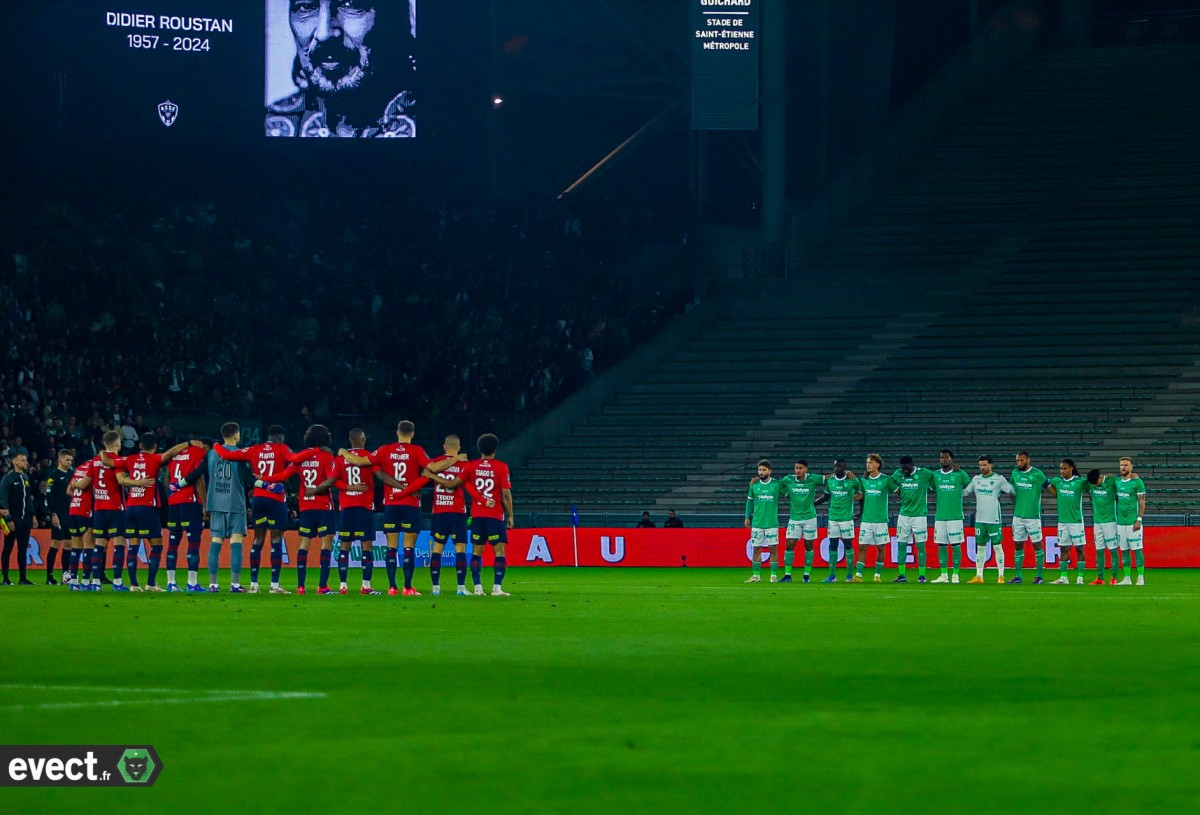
{"points": [[1169, 546]]}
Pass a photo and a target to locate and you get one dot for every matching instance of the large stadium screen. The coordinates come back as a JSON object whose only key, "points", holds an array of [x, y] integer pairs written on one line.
{"points": [[725, 54], [245, 68]]}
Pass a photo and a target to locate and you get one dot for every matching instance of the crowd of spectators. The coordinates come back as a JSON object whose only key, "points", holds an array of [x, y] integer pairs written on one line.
{"points": [[110, 313]]}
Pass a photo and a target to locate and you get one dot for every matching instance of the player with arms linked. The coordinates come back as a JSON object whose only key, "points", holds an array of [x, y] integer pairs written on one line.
{"points": [[487, 481], [185, 514], [268, 505], [449, 514]]}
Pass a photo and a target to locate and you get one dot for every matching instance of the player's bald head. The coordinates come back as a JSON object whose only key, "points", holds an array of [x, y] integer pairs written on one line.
{"points": [[357, 437]]}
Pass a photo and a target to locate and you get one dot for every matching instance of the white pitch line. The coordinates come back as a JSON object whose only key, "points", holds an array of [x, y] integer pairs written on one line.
{"points": [[123, 689], [226, 696]]}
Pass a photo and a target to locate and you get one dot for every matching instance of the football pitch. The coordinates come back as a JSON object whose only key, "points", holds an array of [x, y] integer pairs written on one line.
{"points": [[620, 690]]}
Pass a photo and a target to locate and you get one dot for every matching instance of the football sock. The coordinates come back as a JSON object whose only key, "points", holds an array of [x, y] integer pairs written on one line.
{"points": [[301, 566], [1100, 564], [834, 556], [389, 560], [1064, 562], [435, 568], [214, 561], [132, 564], [84, 557], [921, 558], [326, 563], [193, 561], [155, 561], [276, 561], [1116, 564], [849, 558], [99, 554], [73, 561], [902, 557], [788, 557], [118, 563], [498, 570], [944, 558], [999, 552], [774, 562], [172, 559], [410, 561], [980, 560], [1019, 561], [861, 565], [1039, 555], [755, 561], [235, 563], [878, 560], [460, 567], [255, 561], [343, 563], [476, 567], [368, 564], [52, 556], [1141, 562], [809, 556], [956, 558]]}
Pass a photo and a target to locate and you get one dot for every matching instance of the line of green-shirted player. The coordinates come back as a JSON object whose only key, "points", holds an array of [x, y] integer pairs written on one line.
{"points": [[1118, 504]]}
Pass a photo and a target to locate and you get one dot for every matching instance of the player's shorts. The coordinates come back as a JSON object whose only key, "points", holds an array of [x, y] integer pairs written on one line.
{"points": [[493, 531], [1105, 535], [227, 524], [356, 524], [62, 532], [914, 527], [1027, 529], [841, 529], [1127, 538], [316, 523], [80, 525], [764, 537], [186, 519], [806, 529], [876, 534], [406, 519], [143, 522], [988, 533], [1071, 535], [108, 523], [948, 533], [269, 513], [449, 526]]}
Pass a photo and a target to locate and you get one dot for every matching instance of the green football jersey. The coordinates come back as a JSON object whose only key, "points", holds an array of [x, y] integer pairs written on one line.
{"points": [[801, 494], [1070, 498], [875, 497], [950, 494], [914, 491], [1028, 485], [841, 497], [1127, 504], [1104, 501], [762, 504]]}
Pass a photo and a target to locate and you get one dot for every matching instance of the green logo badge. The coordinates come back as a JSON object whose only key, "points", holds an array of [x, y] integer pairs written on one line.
{"points": [[136, 766]]}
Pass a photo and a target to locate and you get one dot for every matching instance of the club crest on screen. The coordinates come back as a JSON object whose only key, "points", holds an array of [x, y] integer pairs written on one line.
{"points": [[168, 111]]}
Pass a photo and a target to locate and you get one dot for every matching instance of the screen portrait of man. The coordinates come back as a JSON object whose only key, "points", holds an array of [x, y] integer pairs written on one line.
{"points": [[351, 72]]}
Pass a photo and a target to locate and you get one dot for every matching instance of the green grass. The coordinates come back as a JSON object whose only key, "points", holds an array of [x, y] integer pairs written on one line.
{"points": [[625, 691]]}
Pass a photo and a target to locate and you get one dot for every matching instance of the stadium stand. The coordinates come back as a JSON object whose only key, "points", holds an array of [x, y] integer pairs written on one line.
{"points": [[1030, 285], [157, 314]]}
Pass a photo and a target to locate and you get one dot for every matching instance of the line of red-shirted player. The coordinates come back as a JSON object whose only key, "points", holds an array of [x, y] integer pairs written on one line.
{"points": [[101, 511]]}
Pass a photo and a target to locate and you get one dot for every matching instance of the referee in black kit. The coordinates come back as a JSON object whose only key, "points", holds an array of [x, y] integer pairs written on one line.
{"points": [[58, 510], [18, 506]]}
